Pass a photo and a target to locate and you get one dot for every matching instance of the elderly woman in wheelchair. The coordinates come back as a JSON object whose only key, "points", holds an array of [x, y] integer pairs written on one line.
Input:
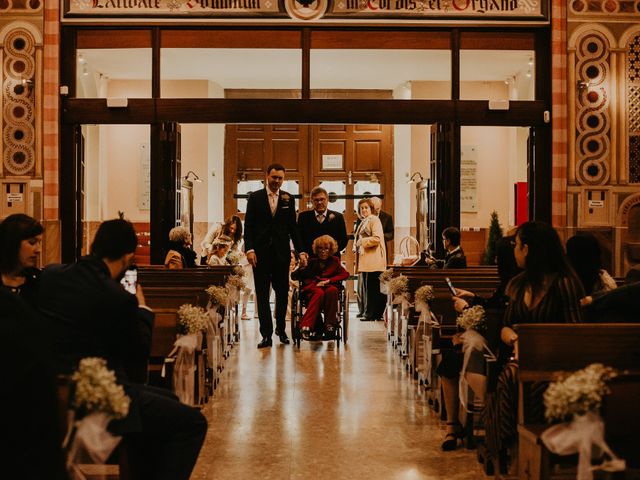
{"points": [[320, 284]]}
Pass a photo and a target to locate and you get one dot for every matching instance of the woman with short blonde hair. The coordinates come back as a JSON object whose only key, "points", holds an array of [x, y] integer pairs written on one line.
{"points": [[321, 282], [325, 241]]}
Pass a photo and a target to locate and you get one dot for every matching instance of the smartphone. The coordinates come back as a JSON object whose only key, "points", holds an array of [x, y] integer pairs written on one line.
{"points": [[130, 280], [450, 285]]}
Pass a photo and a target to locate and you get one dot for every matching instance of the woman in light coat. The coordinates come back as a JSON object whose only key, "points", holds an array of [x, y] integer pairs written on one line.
{"points": [[371, 259]]}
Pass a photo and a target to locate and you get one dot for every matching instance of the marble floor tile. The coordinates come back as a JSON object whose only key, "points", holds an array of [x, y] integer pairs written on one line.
{"points": [[323, 412]]}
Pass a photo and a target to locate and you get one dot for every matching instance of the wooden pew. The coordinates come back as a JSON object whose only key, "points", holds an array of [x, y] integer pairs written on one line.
{"points": [[405, 332], [548, 348], [480, 280], [164, 288], [165, 291]]}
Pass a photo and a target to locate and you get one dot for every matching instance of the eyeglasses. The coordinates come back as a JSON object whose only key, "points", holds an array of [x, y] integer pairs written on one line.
{"points": [[324, 249]]}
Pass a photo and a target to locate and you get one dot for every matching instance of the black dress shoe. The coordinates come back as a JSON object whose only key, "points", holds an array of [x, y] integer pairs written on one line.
{"points": [[284, 339], [265, 342]]}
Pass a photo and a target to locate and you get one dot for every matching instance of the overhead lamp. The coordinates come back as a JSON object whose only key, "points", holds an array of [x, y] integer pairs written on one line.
{"points": [[196, 178], [411, 179]]}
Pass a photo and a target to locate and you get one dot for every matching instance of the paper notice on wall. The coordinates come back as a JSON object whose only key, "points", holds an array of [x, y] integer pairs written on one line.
{"points": [[332, 162], [144, 187], [469, 178]]}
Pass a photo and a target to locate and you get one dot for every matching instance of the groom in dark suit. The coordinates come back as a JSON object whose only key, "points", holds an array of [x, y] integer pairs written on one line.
{"points": [[321, 221], [269, 229]]}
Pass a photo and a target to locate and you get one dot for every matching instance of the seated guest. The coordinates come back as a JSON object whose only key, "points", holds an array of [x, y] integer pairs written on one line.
{"points": [[20, 243], [454, 258], [585, 255], [320, 281], [89, 314], [30, 421], [546, 291], [33, 425], [633, 275], [180, 254], [219, 249], [451, 364], [232, 228], [620, 305]]}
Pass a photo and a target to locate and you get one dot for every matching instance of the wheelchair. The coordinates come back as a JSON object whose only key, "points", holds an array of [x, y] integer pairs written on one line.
{"points": [[298, 307]]}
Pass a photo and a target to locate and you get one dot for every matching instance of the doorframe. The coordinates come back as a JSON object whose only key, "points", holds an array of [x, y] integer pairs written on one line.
{"points": [[154, 111]]}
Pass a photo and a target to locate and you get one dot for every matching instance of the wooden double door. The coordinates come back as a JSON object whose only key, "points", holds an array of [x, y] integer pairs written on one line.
{"points": [[349, 161]]}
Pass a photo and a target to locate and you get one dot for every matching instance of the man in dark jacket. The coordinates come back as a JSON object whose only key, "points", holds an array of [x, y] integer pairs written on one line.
{"points": [[454, 258], [89, 314], [321, 221], [269, 230]]}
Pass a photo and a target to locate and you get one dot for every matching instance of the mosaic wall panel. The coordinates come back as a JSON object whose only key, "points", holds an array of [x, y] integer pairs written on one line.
{"points": [[609, 8], [634, 159], [593, 121], [21, 5], [18, 99], [632, 68]]}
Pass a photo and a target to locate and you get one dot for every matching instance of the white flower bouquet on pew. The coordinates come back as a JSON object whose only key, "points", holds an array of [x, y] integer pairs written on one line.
{"points": [[192, 321], [97, 399], [575, 399], [398, 286], [473, 321], [424, 294], [472, 318], [234, 257], [422, 300], [235, 284], [385, 277], [238, 270], [217, 295]]}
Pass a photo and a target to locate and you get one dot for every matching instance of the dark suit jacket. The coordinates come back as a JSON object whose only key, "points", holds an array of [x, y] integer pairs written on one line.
{"points": [[270, 235], [310, 229], [455, 259], [387, 225], [90, 315]]}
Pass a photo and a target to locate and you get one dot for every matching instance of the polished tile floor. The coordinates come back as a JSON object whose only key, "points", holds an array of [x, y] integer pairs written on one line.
{"points": [[323, 412]]}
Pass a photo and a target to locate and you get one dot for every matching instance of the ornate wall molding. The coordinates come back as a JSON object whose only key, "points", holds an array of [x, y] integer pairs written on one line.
{"points": [[588, 9], [631, 44], [592, 73], [19, 41], [21, 6]]}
